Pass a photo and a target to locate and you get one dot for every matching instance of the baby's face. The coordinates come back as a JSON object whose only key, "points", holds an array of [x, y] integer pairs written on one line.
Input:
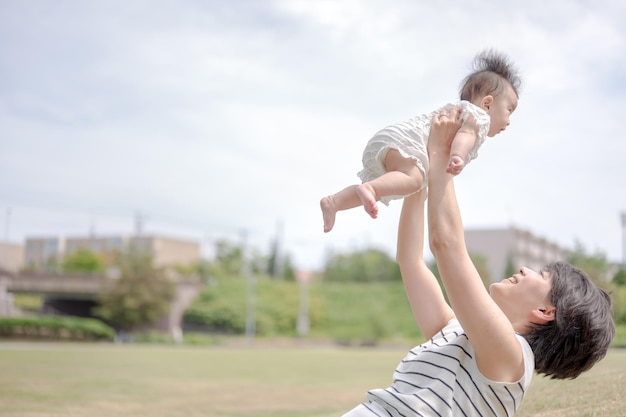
{"points": [[500, 111]]}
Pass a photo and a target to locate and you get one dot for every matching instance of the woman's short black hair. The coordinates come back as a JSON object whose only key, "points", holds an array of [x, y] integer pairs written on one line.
{"points": [[582, 329]]}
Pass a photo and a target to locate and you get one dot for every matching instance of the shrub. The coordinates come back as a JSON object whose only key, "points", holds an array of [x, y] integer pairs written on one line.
{"points": [[55, 327]]}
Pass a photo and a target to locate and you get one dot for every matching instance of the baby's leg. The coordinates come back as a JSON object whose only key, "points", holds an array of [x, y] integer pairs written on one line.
{"points": [[403, 177], [343, 200], [368, 198]]}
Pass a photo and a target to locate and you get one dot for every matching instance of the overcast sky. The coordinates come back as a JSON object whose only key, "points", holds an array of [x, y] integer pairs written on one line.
{"points": [[217, 119]]}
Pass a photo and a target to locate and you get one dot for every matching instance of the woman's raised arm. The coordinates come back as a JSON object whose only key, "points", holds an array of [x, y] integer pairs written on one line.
{"points": [[428, 305], [498, 352]]}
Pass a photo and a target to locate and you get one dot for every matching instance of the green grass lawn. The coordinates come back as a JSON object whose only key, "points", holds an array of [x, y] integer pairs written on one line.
{"points": [[97, 380]]}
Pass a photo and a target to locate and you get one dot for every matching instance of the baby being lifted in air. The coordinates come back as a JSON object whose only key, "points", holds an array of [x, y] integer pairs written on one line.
{"points": [[395, 160]]}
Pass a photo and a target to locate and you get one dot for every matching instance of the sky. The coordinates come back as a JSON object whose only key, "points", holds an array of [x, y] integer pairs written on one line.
{"points": [[229, 120]]}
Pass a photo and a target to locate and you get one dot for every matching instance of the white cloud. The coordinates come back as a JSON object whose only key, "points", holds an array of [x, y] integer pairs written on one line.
{"points": [[212, 117]]}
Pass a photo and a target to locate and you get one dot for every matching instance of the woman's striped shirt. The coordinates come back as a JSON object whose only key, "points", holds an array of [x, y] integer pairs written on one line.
{"points": [[441, 378]]}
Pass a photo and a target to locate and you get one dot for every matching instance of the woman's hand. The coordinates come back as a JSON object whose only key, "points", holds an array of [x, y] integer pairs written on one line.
{"points": [[443, 129]]}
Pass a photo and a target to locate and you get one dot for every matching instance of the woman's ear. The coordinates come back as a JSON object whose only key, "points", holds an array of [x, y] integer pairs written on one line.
{"points": [[544, 314], [486, 102]]}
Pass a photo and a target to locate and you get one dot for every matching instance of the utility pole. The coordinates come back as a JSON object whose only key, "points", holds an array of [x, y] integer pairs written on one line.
{"points": [[303, 324], [6, 298], [279, 260], [251, 301], [623, 216], [6, 254], [139, 220]]}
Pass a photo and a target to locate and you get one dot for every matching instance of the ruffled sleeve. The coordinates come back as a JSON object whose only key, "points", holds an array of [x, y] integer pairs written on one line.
{"points": [[482, 121]]}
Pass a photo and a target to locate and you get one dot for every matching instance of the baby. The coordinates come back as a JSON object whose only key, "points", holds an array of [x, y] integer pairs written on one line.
{"points": [[395, 160]]}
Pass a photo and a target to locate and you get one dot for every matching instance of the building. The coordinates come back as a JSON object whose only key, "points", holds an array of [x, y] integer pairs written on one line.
{"points": [[511, 248], [47, 252], [11, 256], [6, 298]]}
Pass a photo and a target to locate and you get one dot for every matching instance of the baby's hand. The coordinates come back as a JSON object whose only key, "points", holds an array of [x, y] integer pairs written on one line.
{"points": [[455, 165]]}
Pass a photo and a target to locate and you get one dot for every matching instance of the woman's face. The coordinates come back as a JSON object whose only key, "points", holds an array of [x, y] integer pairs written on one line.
{"points": [[522, 294]]}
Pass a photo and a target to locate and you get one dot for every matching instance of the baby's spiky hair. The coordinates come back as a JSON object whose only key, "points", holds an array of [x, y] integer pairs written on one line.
{"points": [[491, 71]]}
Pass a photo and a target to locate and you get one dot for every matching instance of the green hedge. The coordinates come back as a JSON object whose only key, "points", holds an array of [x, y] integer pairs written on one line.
{"points": [[55, 328]]}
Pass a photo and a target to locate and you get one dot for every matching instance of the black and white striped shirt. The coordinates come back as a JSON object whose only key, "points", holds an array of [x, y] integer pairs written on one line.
{"points": [[441, 378]]}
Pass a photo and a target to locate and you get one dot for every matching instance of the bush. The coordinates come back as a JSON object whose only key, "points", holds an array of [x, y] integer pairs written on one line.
{"points": [[618, 295], [55, 327], [222, 307], [365, 312], [372, 265]]}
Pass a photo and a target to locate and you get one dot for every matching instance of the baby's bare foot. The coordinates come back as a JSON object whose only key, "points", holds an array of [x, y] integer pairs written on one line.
{"points": [[455, 165], [368, 198], [329, 211]]}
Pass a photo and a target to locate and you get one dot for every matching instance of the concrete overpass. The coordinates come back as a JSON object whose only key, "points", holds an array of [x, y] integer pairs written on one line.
{"points": [[76, 294], [73, 286]]}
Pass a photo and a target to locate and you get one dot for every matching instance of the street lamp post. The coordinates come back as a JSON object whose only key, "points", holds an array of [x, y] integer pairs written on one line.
{"points": [[303, 324], [623, 216], [251, 301]]}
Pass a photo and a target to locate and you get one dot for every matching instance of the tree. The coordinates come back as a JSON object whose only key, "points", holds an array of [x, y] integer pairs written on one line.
{"points": [[83, 260], [479, 261], [139, 297], [596, 266], [366, 266], [228, 258], [275, 261], [511, 269], [289, 272], [619, 278], [279, 264]]}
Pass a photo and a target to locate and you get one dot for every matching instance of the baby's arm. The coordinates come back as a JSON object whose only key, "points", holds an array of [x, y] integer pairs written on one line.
{"points": [[461, 145]]}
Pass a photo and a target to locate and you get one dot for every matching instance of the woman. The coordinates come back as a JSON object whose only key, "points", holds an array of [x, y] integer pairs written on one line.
{"points": [[482, 349]]}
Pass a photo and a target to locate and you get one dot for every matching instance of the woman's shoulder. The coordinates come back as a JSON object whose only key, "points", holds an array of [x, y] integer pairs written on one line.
{"points": [[529, 356]]}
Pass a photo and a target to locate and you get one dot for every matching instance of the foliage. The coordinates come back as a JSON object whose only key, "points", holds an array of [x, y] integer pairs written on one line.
{"points": [[620, 277], [274, 260], [28, 302], [289, 271], [618, 295], [281, 270], [55, 327], [339, 310], [595, 265], [366, 266], [229, 258], [480, 262], [511, 268], [222, 307], [83, 260], [365, 312], [139, 297]]}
